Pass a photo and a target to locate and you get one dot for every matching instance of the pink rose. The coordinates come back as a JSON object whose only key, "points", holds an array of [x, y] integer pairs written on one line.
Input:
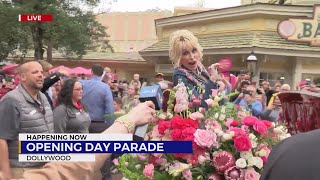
{"points": [[196, 116], [141, 157], [214, 92], [196, 102], [148, 171], [242, 143], [228, 122], [216, 125], [251, 174], [157, 155], [187, 174], [249, 120], [161, 161], [237, 131], [245, 129], [209, 102], [205, 138], [260, 127]]}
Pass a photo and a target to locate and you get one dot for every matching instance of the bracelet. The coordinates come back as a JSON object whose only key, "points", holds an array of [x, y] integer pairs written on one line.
{"points": [[128, 124]]}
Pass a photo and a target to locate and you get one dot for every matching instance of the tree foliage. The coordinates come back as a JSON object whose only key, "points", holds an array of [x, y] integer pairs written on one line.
{"points": [[72, 31]]}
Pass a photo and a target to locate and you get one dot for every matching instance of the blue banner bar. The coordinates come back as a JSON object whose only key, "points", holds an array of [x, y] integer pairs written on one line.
{"points": [[116, 147]]}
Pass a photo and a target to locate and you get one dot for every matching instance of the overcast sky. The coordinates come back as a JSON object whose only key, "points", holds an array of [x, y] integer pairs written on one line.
{"points": [[142, 5]]}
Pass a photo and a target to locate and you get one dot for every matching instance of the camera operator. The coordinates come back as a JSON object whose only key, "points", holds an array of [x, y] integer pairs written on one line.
{"points": [[247, 99]]}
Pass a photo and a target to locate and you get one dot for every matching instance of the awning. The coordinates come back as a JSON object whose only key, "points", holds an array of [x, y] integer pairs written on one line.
{"points": [[259, 40]]}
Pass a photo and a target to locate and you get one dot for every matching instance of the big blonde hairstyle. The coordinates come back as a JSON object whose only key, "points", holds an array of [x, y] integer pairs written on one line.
{"points": [[177, 39]]}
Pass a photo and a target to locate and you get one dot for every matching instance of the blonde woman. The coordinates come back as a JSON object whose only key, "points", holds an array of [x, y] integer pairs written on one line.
{"points": [[186, 55]]}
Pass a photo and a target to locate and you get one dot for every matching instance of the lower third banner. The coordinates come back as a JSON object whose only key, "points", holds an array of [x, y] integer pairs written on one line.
{"points": [[116, 147]]}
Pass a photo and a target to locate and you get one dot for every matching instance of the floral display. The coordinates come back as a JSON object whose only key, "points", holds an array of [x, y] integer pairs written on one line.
{"points": [[228, 143]]}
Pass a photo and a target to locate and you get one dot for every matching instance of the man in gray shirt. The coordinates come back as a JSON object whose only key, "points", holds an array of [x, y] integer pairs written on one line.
{"points": [[23, 110]]}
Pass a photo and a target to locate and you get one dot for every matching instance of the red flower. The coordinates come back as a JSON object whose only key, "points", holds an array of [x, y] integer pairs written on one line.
{"points": [[234, 123], [264, 160], [242, 143], [178, 122], [196, 102], [151, 159], [176, 134], [267, 123], [163, 126], [249, 120], [187, 134], [180, 155], [260, 127]]}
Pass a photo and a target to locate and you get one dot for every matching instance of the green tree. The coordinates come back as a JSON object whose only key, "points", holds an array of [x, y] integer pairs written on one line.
{"points": [[14, 35], [72, 31]]}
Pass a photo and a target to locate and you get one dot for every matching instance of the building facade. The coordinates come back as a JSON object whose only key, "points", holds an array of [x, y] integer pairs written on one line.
{"points": [[236, 32]]}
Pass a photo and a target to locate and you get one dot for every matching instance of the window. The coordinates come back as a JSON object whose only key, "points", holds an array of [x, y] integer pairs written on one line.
{"points": [[272, 77], [313, 77]]}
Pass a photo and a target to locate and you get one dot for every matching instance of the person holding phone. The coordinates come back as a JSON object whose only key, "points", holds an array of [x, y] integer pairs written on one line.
{"points": [[248, 100], [243, 76]]}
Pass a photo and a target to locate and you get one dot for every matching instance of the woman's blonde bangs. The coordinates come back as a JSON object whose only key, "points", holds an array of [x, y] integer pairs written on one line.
{"points": [[177, 39]]}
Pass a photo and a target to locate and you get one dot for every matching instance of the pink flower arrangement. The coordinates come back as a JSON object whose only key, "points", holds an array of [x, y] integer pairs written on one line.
{"points": [[148, 171], [226, 140]]}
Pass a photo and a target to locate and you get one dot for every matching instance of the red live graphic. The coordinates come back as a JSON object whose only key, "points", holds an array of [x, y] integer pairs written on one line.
{"points": [[35, 17]]}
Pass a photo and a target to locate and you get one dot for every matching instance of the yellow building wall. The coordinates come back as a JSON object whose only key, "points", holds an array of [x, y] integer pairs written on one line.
{"points": [[226, 26]]}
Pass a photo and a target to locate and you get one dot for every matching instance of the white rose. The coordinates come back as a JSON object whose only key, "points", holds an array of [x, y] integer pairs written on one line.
{"points": [[216, 116], [252, 136], [138, 166], [178, 169], [246, 154], [201, 159], [216, 130], [273, 124], [278, 130], [222, 117], [258, 162], [282, 137], [261, 153], [231, 133], [241, 163], [251, 161], [223, 109], [226, 137], [254, 144], [220, 133]]}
